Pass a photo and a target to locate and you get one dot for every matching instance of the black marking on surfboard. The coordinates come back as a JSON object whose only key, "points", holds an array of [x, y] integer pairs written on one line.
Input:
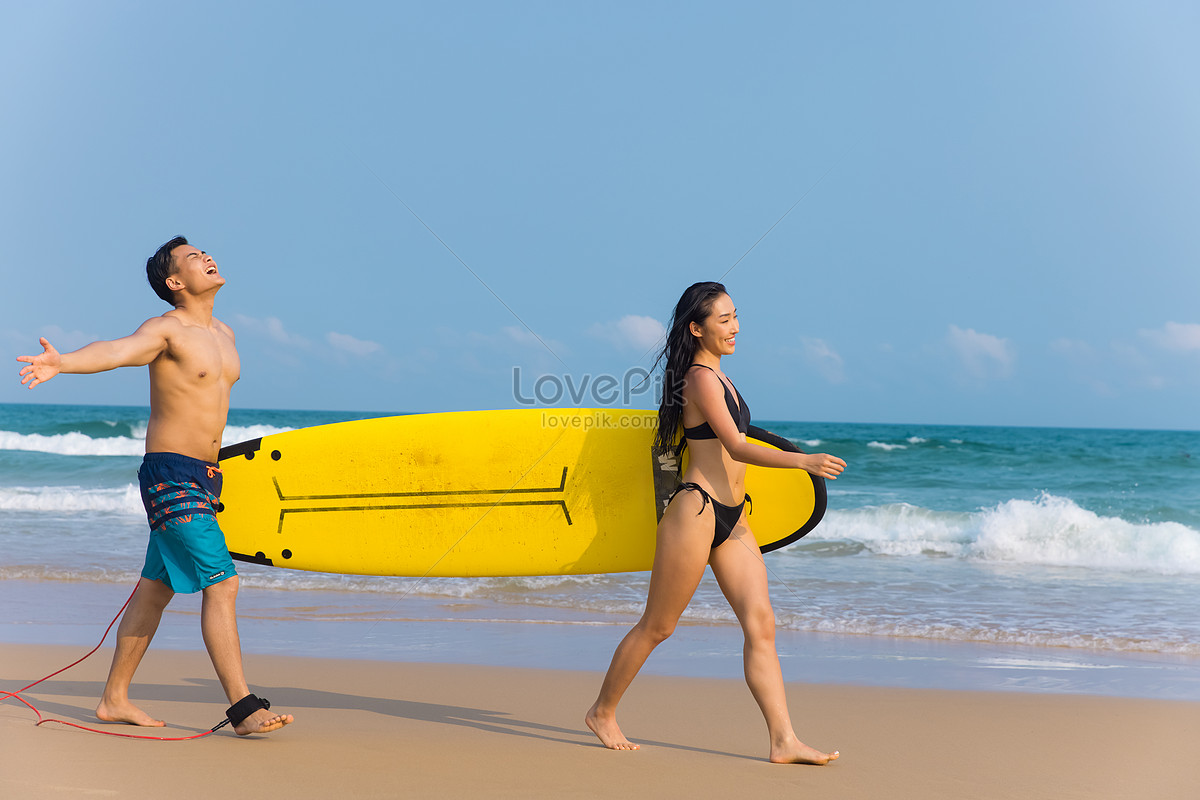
{"points": [[502, 493], [562, 485], [286, 554], [257, 558], [247, 449], [276, 455], [567, 514], [820, 497], [666, 463]]}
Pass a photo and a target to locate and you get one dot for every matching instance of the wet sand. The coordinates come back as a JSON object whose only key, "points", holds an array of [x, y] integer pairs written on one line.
{"points": [[385, 729]]}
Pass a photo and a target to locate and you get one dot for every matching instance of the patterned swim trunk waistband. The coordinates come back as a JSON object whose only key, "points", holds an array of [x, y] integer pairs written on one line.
{"points": [[179, 487]]}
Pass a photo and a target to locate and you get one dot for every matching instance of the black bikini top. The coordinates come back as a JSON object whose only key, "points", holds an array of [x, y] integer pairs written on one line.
{"points": [[737, 409]]}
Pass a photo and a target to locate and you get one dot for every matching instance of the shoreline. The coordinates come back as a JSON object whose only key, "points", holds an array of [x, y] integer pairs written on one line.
{"points": [[382, 729], [350, 627]]}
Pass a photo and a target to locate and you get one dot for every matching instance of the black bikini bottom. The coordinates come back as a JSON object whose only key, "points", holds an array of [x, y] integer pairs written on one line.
{"points": [[726, 516]]}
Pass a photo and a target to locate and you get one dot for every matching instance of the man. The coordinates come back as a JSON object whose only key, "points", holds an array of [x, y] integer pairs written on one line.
{"points": [[193, 365]]}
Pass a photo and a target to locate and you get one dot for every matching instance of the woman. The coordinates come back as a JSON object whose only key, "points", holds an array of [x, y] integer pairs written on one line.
{"points": [[705, 521]]}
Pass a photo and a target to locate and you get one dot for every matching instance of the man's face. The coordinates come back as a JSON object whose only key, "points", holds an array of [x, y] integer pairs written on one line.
{"points": [[194, 270]]}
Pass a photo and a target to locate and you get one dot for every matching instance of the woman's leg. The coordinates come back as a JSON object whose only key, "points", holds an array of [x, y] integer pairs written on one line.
{"points": [[681, 552], [742, 576]]}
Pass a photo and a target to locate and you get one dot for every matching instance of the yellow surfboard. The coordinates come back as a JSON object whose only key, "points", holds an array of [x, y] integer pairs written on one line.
{"points": [[477, 493]]}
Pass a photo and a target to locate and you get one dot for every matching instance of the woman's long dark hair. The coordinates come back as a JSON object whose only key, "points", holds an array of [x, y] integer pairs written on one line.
{"points": [[694, 306]]}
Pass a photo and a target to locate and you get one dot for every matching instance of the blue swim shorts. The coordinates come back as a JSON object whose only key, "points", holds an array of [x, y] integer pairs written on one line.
{"points": [[187, 549]]}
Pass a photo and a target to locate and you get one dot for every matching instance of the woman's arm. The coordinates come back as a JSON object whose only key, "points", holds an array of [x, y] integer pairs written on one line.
{"points": [[706, 391]]}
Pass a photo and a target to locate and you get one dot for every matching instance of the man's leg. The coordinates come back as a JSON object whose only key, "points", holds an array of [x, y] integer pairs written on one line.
{"points": [[218, 622], [133, 637]]}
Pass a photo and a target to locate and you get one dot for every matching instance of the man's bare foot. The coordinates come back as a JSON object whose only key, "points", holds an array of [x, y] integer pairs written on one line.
{"points": [[126, 712], [607, 730], [262, 721], [797, 752]]}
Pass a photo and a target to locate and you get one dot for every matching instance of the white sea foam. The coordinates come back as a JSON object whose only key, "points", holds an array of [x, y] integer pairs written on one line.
{"points": [[1055, 531], [886, 446], [79, 444], [84, 574], [242, 433], [72, 444], [953, 632], [1049, 531], [70, 499], [515, 589]]}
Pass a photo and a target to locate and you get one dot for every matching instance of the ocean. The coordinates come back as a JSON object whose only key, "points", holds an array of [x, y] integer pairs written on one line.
{"points": [[1032, 559]]}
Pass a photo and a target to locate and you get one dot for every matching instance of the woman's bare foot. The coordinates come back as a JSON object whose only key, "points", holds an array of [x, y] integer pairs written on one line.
{"points": [[126, 712], [797, 752], [607, 730], [262, 721]]}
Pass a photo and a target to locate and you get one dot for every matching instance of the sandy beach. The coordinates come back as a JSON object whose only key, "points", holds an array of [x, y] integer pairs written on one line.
{"points": [[384, 729], [930, 632]]}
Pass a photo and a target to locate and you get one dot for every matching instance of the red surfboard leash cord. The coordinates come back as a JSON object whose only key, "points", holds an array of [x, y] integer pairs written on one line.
{"points": [[42, 720]]}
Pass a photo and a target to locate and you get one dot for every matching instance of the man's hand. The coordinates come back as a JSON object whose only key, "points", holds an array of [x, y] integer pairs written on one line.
{"points": [[41, 367]]}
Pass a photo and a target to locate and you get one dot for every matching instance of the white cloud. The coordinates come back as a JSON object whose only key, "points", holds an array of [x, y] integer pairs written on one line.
{"points": [[983, 355], [26, 344], [1084, 364], [64, 341], [825, 359], [527, 338], [349, 344], [520, 336], [1177, 337], [272, 328], [632, 331], [1073, 349], [642, 332]]}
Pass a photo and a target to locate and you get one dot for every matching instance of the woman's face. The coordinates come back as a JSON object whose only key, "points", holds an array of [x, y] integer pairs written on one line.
{"points": [[718, 333]]}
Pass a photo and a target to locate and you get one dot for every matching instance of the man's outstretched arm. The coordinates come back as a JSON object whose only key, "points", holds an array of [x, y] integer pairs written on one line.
{"points": [[136, 350]]}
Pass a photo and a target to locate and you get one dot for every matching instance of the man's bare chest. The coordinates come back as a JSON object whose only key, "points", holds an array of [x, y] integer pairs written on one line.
{"points": [[204, 357]]}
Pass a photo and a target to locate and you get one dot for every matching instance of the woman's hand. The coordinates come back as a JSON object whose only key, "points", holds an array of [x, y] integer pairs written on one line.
{"points": [[822, 465]]}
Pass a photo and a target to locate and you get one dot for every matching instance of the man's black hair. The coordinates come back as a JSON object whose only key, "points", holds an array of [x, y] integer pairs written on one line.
{"points": [[159, 267]]}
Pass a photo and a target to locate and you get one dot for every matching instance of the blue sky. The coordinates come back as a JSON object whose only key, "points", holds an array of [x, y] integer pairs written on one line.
{"points": [[992, 206]]}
